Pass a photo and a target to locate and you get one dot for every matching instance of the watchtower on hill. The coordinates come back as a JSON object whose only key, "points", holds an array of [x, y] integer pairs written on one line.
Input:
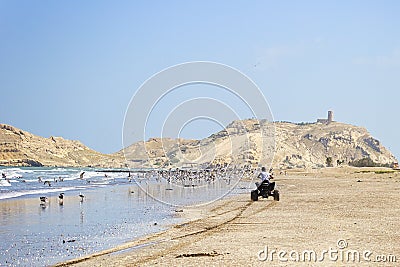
{"points": [[327, 121]]}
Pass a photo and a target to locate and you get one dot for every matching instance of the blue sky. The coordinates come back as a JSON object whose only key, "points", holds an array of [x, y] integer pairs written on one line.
{"points": [[70, 68]]}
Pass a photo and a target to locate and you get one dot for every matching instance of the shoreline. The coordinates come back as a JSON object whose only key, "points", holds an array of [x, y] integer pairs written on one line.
{"points": [[189, 215], [317, 209], [44, 233]]}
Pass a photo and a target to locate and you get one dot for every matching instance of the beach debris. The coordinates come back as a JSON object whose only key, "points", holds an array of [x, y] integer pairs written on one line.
{"points": [[359, 181], [81, 175], [69, 241], [155, 223], [200, 254], [181, 225], [179, 210]]}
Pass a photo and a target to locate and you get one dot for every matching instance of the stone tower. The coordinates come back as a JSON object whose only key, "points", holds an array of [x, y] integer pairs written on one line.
{"points": [[330, 116]]}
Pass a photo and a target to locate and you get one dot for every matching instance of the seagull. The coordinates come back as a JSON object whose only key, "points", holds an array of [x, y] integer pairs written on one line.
{"points": [[43, 203], [81, 196], [61, 199]]}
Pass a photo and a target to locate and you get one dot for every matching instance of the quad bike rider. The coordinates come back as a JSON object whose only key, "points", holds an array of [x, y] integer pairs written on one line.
{"points": [[265, 188]]}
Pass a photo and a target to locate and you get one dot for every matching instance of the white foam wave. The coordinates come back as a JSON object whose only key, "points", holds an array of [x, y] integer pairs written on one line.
{"points": [[99, 183], [102, 175], [31, 181], [15, 172], [63, 170], [4, 183], [39, 191]]}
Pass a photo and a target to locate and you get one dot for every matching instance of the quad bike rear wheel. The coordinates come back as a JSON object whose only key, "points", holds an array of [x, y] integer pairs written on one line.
{"points": [[276, 195], [254, 195]]}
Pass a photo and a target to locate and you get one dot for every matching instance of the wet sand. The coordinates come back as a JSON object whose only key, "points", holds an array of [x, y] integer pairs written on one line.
{"points": [[359, 208]]}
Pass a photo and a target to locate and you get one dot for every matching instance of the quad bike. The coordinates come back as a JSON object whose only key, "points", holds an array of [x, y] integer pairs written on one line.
{"points": [[265, 190]]}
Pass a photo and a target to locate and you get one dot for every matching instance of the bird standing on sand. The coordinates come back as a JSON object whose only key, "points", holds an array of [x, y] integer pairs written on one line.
{"points": [[43, 203], [81, 196], [61, 199]]}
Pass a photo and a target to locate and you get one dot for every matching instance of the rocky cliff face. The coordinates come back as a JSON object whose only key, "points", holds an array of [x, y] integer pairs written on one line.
{"points": [[285, 145], [311, 145], [20, 148]]}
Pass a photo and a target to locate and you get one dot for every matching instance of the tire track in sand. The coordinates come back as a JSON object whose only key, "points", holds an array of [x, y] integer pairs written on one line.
{"points": [[150, 248], [224, 218]]}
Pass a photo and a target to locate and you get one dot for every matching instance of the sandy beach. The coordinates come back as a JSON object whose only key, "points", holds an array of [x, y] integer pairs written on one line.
{"points": [[346, 216]]}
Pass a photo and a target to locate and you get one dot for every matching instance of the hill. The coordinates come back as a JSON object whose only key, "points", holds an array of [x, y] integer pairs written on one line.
{"points": [[21, 148], [310, 145], [286, 145], [253, 142]]}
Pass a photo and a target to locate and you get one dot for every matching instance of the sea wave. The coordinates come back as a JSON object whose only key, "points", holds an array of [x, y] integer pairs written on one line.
{"points": [[15, 194]]}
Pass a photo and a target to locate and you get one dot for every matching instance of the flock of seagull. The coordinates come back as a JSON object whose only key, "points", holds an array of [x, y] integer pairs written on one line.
{"points": [[193, 177], [186, 177], [44, 200]]}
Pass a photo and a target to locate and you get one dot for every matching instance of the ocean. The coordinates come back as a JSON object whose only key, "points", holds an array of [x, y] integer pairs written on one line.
{"points": [[116, 207]]}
